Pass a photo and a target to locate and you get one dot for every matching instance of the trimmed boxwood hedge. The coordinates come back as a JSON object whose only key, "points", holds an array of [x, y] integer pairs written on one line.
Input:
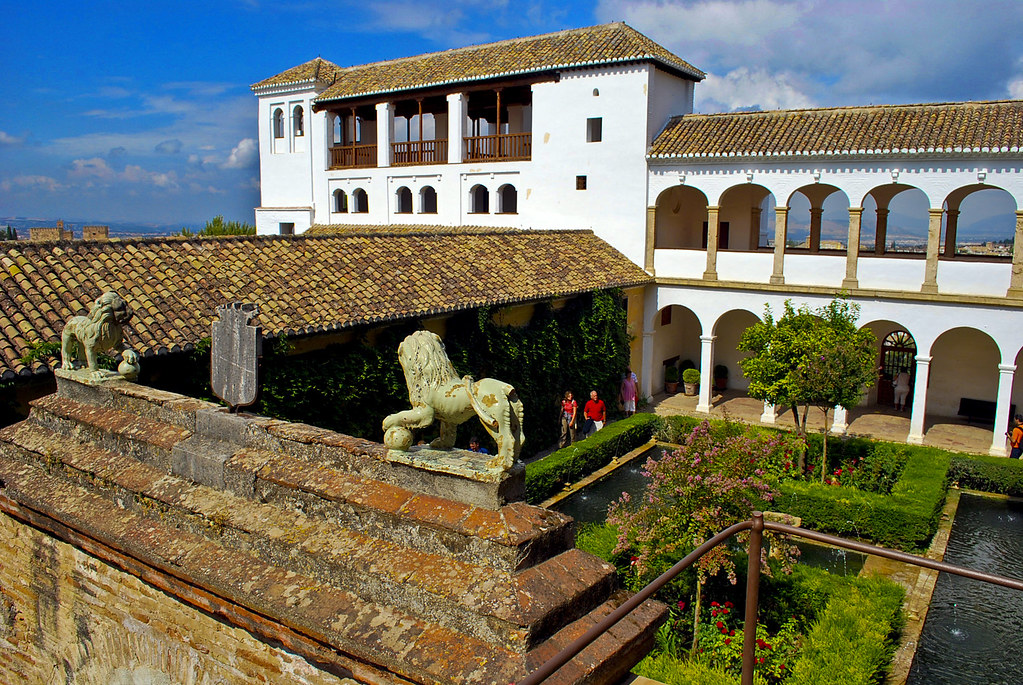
{"points": [[906, 519], [990, 474], [546, 476]]}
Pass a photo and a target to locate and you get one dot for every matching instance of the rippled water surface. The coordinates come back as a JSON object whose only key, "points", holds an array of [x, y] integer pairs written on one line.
{"points": [[974, 630]]}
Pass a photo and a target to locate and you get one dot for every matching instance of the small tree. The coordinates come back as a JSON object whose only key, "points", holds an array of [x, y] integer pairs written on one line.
{"points": [[217, 226], [810, 358]]}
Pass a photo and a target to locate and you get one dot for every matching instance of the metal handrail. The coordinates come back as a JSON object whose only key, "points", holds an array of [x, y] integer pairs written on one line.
{"points": [[756, 526]]}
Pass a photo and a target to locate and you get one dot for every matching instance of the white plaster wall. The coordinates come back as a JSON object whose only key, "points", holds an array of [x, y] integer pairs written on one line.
{"points": [[680, 263], [749, 267], [890, 273], [269, 220], [727, 331], [614, 202], [814, 269], [669, 96], [680, 338], [964, 364], [973, 278]]}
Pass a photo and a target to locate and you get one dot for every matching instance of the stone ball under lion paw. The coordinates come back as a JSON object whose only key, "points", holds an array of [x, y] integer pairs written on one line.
{"points": [[398, 438]]}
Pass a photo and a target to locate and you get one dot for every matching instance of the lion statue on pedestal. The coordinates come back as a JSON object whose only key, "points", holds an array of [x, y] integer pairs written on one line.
{"points": [[88, 336], [437, 393]]}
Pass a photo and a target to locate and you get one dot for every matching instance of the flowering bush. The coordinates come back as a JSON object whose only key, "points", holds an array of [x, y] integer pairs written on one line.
{"points": [[721, 645], [707, 484]]}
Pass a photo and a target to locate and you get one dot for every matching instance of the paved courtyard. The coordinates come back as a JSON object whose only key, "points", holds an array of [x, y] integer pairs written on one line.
{"points": [[884, 423]]}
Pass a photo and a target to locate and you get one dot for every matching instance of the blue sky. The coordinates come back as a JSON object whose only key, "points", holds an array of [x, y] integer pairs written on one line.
{"points": [[142, 111]]}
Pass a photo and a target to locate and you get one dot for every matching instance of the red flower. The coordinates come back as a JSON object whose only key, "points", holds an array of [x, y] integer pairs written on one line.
{"points": [[714, 613], [782, 666], [714, 604], [681, 605], [729, 605], [731, 633], [760, 660], [720, 625], [728, 640]]}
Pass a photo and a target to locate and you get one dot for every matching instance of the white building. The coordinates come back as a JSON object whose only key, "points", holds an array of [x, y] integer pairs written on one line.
{"points": [[593, 128]]}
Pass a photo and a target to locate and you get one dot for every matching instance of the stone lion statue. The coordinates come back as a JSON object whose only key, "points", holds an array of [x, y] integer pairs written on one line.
{"points": [[88, 336], [436, 393]]}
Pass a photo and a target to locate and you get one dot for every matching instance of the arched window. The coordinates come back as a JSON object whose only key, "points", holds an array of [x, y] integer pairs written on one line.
{"points": [[479, 200], [404, 197], [509, 199], [427, 200], [278, 123], [340, 201], [298, 121], [337, 129], [360, 201]]}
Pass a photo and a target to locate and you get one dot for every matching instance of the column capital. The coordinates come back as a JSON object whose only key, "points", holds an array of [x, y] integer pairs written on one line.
{"points": [[923, 359], [713, 208], [858, 211], [882, 211], [1006, 368], [935, 211], [781, 210], [707, 338], [816, 211], [649, 334], [1019, 213]]}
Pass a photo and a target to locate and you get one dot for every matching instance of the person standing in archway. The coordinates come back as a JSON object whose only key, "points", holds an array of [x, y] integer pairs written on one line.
{"points": [[901, 388], [1016, 437]]}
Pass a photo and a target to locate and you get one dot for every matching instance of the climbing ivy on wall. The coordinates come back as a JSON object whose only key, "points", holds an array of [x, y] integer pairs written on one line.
{"points": [[351, 387]]}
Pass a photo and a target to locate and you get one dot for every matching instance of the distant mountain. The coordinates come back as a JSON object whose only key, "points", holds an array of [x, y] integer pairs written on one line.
{"points": [[118, 229]]}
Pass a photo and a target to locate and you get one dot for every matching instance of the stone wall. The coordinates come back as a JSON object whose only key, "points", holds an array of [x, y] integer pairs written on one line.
{"points": [[68, 617], [140, 522]]}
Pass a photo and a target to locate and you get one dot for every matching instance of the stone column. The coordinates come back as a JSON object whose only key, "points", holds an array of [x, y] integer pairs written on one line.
{"points": [[781, 226], [916, 419], [1016, 279], [933, 238], [706, 372], [711, 274], [646, 373], [881, 235], [815, 229], [754, 228], [1006, 372], [770, 414], [840, 424], [852, 251], [385, 132], [951, 226], [651, 239]]}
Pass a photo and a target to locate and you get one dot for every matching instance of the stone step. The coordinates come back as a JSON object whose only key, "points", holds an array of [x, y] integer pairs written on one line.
{"points": [[513, 537], [362, 631], [512, 609]]}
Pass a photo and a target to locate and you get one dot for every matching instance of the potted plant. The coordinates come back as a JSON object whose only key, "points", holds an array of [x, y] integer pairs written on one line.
{"points": [[720, 377], [691, 380], [671, 379]]}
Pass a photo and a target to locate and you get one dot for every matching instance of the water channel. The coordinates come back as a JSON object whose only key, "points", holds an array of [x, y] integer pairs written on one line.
{"points": [[972, 630]]}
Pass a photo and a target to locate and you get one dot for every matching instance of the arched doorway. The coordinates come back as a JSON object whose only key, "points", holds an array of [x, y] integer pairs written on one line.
{"points": [[898, 353]]}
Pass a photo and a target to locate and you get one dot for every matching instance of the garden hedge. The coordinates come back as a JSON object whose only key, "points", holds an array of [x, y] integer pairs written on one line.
{"points": [[990, 474], [546, 476], [906, 519]]}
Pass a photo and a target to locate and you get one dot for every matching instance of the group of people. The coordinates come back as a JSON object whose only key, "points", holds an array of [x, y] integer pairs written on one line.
{"points": [[594, 411]]}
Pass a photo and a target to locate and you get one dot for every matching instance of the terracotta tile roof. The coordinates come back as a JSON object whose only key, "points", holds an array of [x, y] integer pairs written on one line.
{"points": [[595, 45], [302, 284], [315, 70], [954, 127], [402, 229]]}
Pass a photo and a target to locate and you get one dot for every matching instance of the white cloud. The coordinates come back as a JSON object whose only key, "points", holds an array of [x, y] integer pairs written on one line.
{"points": [[1016, 88], [95, 167], [30, 182], [243, 154], [8, 139], [751, 88], [168, 147]]}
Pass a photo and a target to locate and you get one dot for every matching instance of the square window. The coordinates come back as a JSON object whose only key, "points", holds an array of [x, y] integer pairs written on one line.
{"points": [[287, 228], [594, 129], [580, 183]]}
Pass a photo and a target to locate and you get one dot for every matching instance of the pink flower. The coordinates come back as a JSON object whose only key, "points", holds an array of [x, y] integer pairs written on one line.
{"points": [[681, 605]]}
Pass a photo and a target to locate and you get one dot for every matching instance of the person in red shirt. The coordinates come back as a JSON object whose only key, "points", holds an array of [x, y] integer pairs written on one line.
{"points": [[595, 413]]}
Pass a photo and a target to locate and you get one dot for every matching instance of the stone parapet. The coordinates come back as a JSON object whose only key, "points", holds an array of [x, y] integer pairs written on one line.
{"points": [[326, 537]]}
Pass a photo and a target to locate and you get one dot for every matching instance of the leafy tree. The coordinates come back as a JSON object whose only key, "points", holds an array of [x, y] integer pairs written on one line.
{"points": [[217, 226], [810, 358]]}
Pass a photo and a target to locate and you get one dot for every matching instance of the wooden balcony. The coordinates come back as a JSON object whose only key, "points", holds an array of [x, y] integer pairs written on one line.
{"points": [[503, 147], [353, 156], [420, 152]]}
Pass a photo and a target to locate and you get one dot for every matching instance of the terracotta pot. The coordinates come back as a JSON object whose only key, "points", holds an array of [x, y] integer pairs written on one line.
{"points": [[670, 388]]}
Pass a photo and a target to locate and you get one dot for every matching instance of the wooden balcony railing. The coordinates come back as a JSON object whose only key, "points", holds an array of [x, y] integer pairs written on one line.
{"points": [[502, 147], [353, 156], [420, 152]]}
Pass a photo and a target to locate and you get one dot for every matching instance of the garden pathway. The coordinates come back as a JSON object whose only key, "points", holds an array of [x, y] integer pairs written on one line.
{"points": [[883, 423]]}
